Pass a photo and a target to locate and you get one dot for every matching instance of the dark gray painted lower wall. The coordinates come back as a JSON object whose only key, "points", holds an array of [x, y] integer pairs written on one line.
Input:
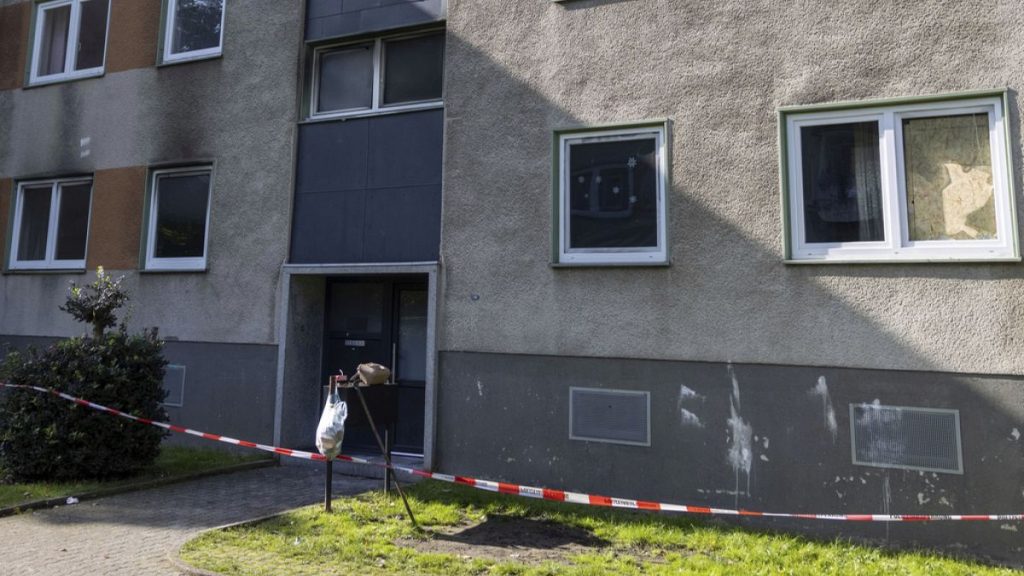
{"points": [[506, 417], [333, 18], [229, 388]]}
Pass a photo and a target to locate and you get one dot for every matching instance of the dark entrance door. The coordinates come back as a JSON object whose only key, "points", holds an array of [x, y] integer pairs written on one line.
{"points": [[384, 321]]}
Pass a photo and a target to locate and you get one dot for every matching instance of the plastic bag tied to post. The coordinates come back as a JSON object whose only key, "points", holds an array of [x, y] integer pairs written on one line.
{"points": [[331, 430]]}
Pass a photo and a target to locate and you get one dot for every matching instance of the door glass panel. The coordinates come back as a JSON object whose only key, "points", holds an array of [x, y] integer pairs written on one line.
{"points": [[412, 335], [35, 223], [346, 79], [842, 178], [53, 49], [949, 178], [356, 307], [92, 34], [73, 221], [413, 69]]}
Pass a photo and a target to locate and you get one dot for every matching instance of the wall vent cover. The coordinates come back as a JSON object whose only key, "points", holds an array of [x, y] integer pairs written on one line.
{"points": [[908, 438], [615, 416], [174, 384]]}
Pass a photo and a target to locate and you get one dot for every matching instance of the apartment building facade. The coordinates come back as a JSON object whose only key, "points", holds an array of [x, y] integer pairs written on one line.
{"points": [[751, 255], [154, 138]]}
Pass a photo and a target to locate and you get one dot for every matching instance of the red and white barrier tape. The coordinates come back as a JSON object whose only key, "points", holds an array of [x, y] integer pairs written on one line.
{"points": [[540, 493]]}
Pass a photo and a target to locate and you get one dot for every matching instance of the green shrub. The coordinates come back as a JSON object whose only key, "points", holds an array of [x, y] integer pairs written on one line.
{"points": [[43, 437]]}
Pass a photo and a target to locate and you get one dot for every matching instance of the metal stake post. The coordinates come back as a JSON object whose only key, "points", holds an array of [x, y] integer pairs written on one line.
{"points": [[384, 450]]}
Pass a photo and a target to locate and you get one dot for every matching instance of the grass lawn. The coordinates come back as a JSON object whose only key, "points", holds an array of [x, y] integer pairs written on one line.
{"points": [[471, 532], [173, 462]]}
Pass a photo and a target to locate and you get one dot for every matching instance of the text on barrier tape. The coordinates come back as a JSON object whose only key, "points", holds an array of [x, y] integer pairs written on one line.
{"points": [[531, 491]]}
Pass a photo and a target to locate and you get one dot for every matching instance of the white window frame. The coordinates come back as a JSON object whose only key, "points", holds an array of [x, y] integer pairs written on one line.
{"points": [[604, 256], [74, 23], [377, 105], [170, 57], [197, 263], [53, 225], [897, 245]]}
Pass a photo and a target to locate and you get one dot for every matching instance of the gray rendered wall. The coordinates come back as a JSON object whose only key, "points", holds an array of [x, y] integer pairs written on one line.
{"points": [[332, 18], [369, 189], [718, 69], [506, 417], [238, 111]]}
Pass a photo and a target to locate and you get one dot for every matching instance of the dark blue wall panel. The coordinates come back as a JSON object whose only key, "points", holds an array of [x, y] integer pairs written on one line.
{"points": [[327, 19], [369, 190]]}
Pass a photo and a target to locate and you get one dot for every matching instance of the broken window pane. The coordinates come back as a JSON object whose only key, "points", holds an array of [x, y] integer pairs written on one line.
{"points": [[842, 183], [948, 164]]}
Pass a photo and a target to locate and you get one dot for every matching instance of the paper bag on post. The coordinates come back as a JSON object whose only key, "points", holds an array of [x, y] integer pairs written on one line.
{"points": [[372, 374]]}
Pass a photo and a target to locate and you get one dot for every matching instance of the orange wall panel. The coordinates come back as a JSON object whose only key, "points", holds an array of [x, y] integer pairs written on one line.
{"points": [[14, 24], [115, 225], [134, 30]]}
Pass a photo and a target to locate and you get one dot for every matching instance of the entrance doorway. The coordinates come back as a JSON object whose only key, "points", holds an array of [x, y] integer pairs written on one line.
{"points": [[381, 320]]}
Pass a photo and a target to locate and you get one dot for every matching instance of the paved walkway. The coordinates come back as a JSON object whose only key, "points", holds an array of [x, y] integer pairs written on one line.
{"points": [[131, 534]]}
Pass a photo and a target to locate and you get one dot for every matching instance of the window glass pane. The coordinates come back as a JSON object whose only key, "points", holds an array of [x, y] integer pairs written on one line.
{"points": [[197, 25], [412, 335], [92, 34], [73, 221], [949, 178], [181, 215], [346, 79], [53, 49], [613, 194], [35, 223], [414, 69], [842, 180]]}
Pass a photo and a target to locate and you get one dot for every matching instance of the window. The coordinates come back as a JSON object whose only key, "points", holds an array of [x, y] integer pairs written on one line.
{"points": [[70, 40], [922, 180], [179, 216], [195, 29], [611, 196], [385, 74], [51, 224]]}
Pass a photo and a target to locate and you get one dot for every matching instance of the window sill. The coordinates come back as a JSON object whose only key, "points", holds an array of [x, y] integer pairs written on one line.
{"points": [[185, 60], [148, 271], [39, 83], [890, 261], [329, 116], [664, 264], [46, 271]]}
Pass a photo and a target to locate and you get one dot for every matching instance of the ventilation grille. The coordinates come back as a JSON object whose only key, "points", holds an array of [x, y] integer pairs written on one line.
{"points": [[909, 438], [174, 384], [616, 416]]}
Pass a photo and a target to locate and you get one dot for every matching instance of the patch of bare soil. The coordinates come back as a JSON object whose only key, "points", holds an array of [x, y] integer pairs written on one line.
{"points": [[509, 539]]}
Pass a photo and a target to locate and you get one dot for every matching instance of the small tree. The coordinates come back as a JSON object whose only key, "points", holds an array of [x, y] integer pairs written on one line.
{"points": [[42, 437]]}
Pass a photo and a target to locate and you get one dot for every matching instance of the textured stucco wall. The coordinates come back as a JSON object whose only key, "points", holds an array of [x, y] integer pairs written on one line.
{"points": [[718, 70], [237, 111]]}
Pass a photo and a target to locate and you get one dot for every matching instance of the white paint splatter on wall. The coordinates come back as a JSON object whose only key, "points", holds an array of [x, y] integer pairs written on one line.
{"points": [[740, 435], [686, 417], [1015, 434], [828, 411]]}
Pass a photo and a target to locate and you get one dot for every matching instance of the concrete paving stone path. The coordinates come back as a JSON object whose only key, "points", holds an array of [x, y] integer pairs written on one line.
{"points": [[131, 534]]}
